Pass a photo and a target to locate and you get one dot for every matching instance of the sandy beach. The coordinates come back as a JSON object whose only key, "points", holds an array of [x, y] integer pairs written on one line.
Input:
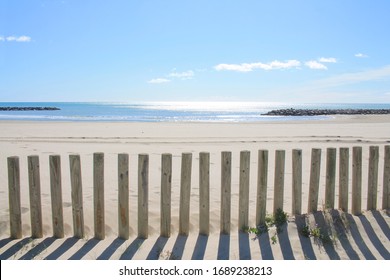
{"points": [[358, 237]]}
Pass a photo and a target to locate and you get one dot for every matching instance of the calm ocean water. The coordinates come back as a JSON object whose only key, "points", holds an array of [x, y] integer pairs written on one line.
{"points": [[167, 111]]}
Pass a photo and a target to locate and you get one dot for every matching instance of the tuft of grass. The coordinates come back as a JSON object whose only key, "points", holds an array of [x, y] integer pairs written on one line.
{"points": [[253, 230], [274, 239], [316, 232], [305, 231], [280, 218], [256, 230], [271, 221]]}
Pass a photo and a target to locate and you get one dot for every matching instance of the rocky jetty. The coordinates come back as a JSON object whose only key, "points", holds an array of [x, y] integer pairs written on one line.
{"points": [[29, 109], [322, 112]]}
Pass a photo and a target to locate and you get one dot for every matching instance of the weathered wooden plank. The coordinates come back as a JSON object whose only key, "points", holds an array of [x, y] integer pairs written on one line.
{"points": [[77, 196], [357, 180], [166, 191], [226, 179], [386, 179], [330, 184], [372, 190], [297, 182], [185, 193], [343, 179], [34, 180], [262, 181], [204, 193], [279, 180], [314, 183], [143, 196], [15, 211], [123, 196], [243, 204], [56, 196], [98, 194]]}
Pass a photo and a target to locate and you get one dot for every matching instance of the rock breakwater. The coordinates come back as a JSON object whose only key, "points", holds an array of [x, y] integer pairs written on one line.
{"points": [[322, 112], [29, 109]]}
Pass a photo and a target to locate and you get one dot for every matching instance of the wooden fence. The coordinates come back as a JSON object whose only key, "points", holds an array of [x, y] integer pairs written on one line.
{"points": [[204, 189]]}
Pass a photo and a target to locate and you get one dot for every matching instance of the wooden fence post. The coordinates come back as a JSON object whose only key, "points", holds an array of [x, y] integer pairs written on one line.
{"points": [[297, 182], [314, 179], [357, 181], [185, 194], [226, 178], [34, 180], [98, 194], [56, 196], [279, 180], [204, 193], [386, 179], [343, 179], [330, 184], [14, 197], [166, 190], [123, 196], [143, 195], [262, 181], [243, 205], [77, 195], [372, 189]]}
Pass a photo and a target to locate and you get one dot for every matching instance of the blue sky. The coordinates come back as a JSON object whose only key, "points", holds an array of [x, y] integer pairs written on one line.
{"points": [[144, 50]]}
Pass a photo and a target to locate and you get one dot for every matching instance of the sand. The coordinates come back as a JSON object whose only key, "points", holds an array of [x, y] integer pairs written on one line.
{"points": [[355, 237]]}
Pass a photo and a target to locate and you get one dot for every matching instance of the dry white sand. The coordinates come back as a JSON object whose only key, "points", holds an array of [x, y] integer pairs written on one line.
{"points": [[358, 237]]}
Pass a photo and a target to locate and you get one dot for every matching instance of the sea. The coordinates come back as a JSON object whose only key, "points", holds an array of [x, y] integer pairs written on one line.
{"points": [[169, 111]]}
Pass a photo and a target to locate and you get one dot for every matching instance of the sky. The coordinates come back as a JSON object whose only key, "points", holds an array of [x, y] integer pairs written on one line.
{"points": [[195, 50]]}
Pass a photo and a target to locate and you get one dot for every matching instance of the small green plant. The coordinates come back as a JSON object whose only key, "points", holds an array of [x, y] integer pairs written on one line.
{"points": [[253, 230], [277, 220], [316, 233], [311, 232], [274, 239], [280, 218], [271, 221], [305, 231]]}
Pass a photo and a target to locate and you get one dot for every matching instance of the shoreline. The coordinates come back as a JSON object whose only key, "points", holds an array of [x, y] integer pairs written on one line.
{"points": [[327, 118]]}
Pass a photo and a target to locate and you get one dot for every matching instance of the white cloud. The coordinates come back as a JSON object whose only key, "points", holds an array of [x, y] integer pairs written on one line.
{"points": [[284, 65], [248, 67], [327, 60], [234, 67], [186, 75], [312, 64], [22, 39], [182, 75], [361, 55], [159, 81]]}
